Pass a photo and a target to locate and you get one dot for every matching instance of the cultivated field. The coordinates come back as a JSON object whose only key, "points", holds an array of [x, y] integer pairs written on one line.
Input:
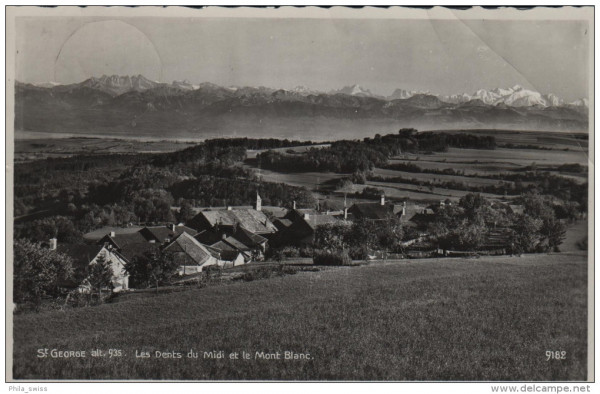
{"points": [[437, 319], [472, 162], [39, 146]]}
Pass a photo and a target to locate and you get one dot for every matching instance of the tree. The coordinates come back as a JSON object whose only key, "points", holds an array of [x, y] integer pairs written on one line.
{"points": [[153, 267], [407, 132], [472, 203], [331, 236], [525, 234], [390, 233], [364, 234], [59, 227], [37, 272], [100, 275], [469, 235], [554, 231], [537, 206], [186, 212]]}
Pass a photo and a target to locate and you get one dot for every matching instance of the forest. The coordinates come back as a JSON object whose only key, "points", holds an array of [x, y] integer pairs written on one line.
{"points": [[347, 156], [66, 197]]}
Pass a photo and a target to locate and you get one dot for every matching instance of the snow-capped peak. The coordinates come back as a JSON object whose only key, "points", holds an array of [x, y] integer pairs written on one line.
{"points": [[582, 102], [405, 94], [47, 84], [185, 85], [552, 100], [303, 90], [517, 96], [354, 90]]}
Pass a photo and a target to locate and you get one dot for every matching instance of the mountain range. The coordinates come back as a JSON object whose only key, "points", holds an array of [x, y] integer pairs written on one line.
{"points": [[135, 105]]}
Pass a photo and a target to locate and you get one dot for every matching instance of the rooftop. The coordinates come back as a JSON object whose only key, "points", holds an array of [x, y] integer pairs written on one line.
{"points": [[160, 233], [194, 250], [251, 219], [136, 249], [121, 240], [371, 210]]}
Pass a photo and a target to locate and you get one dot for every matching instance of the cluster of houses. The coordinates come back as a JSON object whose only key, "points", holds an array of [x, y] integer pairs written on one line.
{"points": [[224, 237]]}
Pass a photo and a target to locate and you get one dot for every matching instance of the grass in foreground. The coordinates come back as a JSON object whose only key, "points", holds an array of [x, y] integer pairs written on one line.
{"points": [[451, 319]]}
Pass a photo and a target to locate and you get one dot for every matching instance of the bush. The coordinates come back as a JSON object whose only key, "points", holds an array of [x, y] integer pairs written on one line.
{"points": [[582, 244], [322, 257], [305, 251], [76, 299], [290, 251], [212, 272], [359, 253]]}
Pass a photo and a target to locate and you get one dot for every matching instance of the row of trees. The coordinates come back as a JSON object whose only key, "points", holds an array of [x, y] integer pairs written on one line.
{"points": [[468, 225]]}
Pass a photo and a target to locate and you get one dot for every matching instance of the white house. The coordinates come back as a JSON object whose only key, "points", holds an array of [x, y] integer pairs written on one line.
{"points": [[83, 255]]}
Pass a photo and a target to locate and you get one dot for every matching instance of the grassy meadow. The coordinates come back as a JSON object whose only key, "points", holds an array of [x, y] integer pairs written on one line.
{"points": [[491, 318]]}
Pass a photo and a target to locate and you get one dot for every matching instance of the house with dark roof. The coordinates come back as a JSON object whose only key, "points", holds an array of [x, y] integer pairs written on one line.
{"points": [[371, 211], [302, 227], [193, 256], [160, 234], [282, 224], [190, 254], [84, 255], [226, 220], [139, 249], [252, 246], [118, 241], [250, 239], [228, 249]]}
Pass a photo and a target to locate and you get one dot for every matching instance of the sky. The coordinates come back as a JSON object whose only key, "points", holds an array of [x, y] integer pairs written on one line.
{"points": [[441, 56]]}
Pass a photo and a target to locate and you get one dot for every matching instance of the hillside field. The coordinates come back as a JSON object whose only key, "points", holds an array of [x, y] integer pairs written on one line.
{"points": [[472, 161], [490, 318]]}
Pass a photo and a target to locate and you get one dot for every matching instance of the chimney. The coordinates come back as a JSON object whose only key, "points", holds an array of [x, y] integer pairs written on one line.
{"points": [[258, 202], [404, 208], [172, 227], [327, 212], [383, 199], [345, 213], [53, 243], [112, 234], [229, 208], [306, 216], [293, 204], [223, 236]]}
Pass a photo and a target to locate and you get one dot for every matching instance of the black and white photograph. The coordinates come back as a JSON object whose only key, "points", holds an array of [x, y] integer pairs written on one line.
{"points": [[300, 194]]}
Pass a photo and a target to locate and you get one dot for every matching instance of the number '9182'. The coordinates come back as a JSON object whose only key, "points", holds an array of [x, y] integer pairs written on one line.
{"points": [[556, 355]]}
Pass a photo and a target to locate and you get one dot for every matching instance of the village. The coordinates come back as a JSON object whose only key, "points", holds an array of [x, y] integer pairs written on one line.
{"points": [[231, 236]]}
